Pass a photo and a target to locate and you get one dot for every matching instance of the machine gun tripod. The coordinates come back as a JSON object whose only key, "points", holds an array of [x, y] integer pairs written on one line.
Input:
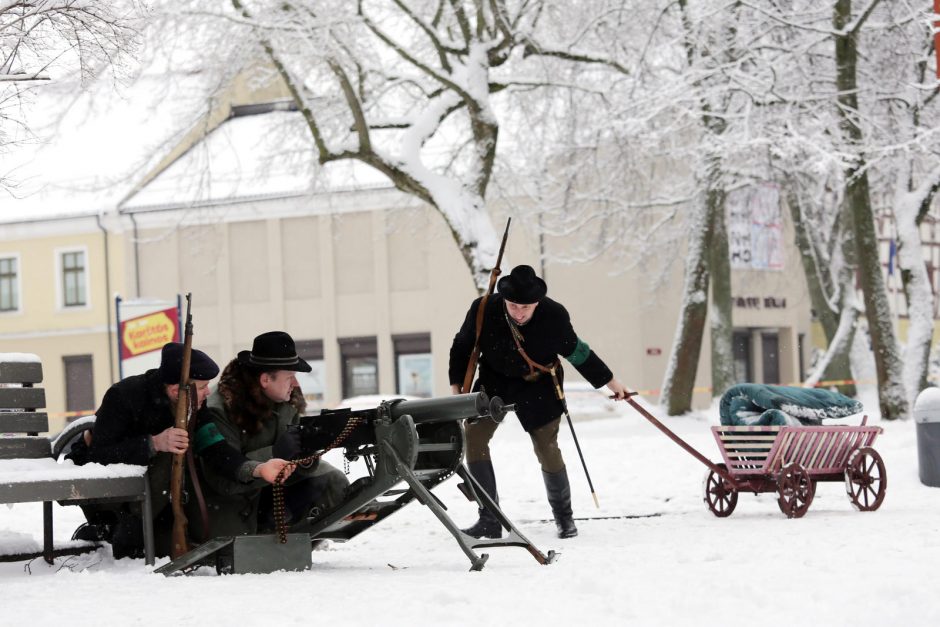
{"points": [[418, 442]]}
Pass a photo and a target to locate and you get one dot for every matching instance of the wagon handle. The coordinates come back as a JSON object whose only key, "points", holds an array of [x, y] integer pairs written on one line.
{"points": [[724, 474]]}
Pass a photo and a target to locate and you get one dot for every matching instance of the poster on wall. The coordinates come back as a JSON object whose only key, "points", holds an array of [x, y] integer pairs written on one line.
{"points": [[143, 327], [414, 375], [755, 228]]}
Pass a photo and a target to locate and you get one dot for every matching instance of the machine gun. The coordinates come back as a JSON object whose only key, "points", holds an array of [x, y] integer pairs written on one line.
{"points": [[416, 442]]}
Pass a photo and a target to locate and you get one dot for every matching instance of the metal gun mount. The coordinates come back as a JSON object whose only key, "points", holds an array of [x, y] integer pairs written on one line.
{"points": [[416, 442]]}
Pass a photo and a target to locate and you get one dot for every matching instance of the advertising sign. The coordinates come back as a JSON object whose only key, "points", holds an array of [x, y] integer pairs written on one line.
{"points": [[143, 328], [149, 333]]}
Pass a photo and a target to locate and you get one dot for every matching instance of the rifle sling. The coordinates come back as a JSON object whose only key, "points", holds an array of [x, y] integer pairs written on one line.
{"points": [[191, 464], [535, 368]]}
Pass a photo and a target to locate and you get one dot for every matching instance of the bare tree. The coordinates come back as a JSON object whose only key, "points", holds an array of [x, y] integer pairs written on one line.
{"points": [[416, 89], [41, 40]]}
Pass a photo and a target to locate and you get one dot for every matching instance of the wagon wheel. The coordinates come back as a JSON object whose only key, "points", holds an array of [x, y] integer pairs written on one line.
{"points": [[796, 490], [720, 496], [866, 479]]}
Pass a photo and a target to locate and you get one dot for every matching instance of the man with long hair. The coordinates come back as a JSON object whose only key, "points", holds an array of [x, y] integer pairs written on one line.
{"points": [[251, 436]]}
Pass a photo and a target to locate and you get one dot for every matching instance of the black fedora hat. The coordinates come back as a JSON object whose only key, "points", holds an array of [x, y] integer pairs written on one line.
{"points": [[273, 350], [522, 286]]}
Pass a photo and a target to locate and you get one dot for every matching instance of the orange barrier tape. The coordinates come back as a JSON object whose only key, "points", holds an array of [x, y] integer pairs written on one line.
{"points": [[798, 384], [70, 414]]}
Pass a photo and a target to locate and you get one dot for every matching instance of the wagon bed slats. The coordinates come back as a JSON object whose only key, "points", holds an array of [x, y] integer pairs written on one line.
{"points": [[765, 450], [732, 437]]}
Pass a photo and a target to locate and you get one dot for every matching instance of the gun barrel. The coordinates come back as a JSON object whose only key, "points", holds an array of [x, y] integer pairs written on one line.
{"points": [[448, 408]]}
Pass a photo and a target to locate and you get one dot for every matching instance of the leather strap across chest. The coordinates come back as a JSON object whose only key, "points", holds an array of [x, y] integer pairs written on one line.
{"points": [[534, 366]]}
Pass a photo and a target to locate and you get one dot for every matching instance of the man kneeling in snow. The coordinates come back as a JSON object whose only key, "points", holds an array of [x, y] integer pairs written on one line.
{"points": [[134, 425]]}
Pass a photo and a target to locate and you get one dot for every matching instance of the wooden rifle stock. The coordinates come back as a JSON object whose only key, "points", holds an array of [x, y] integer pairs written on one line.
{"points": [[475, 354], [183, 410]]}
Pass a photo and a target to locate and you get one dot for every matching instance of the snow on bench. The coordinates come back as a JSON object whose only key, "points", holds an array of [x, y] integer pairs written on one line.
{"points": [[30, 470]]}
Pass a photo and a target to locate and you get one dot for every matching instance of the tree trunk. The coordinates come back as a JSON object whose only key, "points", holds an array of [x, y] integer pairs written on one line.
{"points": [[909, 214], [719, 271], [891, 396], [679, 381], [838, 365]]}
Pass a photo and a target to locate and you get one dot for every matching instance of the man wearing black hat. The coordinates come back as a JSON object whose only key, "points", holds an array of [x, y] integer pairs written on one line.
{"points": [[134, 425], [522, 336], [249, 437]]}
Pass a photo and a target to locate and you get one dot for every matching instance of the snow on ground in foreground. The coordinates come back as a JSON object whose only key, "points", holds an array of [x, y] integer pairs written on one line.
{"points": [[836, 566]]}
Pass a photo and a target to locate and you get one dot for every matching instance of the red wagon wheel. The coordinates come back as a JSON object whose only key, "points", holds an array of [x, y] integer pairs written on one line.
{"points": [[796, 490], [720, 496], [866, 479]]}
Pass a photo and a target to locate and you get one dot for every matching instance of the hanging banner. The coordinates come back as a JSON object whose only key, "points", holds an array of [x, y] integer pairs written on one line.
{"points": [[143, 328], [755, 228]]}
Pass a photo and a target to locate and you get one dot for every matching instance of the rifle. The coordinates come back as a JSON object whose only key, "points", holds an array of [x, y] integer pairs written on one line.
{"points": [[179, 545], [475, 354]]}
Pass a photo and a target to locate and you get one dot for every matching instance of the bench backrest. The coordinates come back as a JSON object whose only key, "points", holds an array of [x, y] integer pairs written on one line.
{"points": [[20, 402]]}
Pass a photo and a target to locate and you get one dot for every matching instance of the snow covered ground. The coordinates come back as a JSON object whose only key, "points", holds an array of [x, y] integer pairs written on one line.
{"points": [[683, 566]]}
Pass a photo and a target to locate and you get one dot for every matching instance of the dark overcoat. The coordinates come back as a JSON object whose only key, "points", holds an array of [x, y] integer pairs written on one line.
{"points": [[132, 410], [502, 371]]}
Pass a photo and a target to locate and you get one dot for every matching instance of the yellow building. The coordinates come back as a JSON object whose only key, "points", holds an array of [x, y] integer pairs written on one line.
{"points": [[365, 278], [58, 277]]}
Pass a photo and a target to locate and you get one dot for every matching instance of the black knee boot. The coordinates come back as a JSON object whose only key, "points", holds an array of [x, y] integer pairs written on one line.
{"points": [[487, 526], [559, 497]]}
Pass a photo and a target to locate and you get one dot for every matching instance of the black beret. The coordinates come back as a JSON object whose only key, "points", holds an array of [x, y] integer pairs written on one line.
{"points": [[201, 366]]}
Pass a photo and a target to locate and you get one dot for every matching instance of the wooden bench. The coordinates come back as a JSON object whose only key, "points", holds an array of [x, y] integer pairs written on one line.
{"points": [[31, 470]]}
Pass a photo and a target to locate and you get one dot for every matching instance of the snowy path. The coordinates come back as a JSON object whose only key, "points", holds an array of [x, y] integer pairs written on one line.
{"points": [[836, 566]]}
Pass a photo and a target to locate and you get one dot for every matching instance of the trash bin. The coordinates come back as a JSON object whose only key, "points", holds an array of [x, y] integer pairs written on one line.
{"points": [[927, 421]]}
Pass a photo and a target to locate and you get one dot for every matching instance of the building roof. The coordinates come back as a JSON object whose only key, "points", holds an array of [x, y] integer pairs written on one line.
{"points": [[90, 146], [264, 153]]}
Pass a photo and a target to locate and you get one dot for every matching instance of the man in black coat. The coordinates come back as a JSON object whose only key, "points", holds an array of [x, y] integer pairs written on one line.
{"points": [[522, 336], [134, 425]]}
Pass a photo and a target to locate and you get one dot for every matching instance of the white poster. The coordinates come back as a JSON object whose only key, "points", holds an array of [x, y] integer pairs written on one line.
{"points": [[755, 228], [414, 375]]}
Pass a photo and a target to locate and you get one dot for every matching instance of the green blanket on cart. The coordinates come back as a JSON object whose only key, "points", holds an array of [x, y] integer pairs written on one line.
{"points": [[760, 404]]}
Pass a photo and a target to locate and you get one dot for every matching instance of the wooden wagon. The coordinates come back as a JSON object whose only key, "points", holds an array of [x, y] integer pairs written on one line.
{"points": [[789, 460]]}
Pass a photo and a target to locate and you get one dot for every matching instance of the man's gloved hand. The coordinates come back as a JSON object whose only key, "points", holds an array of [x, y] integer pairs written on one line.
{"points": [[287, 445]]}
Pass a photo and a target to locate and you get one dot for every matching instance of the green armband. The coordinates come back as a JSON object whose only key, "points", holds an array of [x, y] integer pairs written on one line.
{"points": [[207, 435], [580, 354]]}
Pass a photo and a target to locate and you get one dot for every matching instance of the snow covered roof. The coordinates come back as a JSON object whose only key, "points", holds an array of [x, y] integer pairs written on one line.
{"points": [[91, 147], [265, 155]]}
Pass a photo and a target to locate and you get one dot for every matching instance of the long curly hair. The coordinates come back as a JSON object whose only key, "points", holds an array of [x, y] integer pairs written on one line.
{"points": [[245, 401]]}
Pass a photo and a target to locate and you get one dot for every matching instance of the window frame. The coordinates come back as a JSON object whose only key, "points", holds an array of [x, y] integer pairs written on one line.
{"points": [[17, 284], [357, 348], [60, 278], [412, 345]]}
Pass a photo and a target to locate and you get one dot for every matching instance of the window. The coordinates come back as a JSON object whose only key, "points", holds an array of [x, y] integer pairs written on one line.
{"points": [[743, 369], [770, 351], [800, 347], [413, 364], [9, 284], [360, 366], [312, 383], [73, 279], [79, 384]]}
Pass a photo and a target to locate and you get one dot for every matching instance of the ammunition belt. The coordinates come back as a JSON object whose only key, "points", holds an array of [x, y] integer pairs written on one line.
{"points": [[280, 510]]}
